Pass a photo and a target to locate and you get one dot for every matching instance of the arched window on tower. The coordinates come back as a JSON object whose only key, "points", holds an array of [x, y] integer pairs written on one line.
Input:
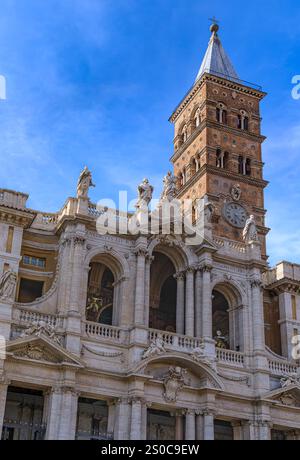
{"points": [[244, 166], [243, 121], [221, 113], [248, 167], [221, 159], [184, 133]]}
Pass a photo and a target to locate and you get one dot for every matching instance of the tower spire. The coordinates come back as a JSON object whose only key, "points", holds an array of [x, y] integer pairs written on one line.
{"points": [[216, 61]]}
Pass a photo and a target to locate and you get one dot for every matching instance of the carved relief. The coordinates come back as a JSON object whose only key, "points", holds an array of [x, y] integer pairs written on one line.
{"points": [[41, 327], [36, 352], [157, 347], [8, 283], [173, 383]]}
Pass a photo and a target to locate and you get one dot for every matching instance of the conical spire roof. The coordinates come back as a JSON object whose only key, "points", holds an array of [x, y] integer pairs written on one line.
{"points": [[216, 61]]}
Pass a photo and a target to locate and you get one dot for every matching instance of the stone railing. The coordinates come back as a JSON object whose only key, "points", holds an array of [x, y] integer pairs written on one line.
{"points": [[232, 357], [25, 317], [230, 245], [103, 331], [282, 368], [45, 221], [174, 341]]}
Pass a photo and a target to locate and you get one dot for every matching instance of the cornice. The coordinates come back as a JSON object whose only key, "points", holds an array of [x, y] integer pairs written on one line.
{"points": [[235, 86], [22, 218], [221, 127], [224, 173]]}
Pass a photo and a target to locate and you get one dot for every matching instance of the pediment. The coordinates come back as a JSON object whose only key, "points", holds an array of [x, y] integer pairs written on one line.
{"points": [[287, 396], [41, 348]]}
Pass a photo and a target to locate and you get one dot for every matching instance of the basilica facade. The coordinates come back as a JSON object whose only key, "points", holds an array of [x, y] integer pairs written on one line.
{"points": [[111, 335]]}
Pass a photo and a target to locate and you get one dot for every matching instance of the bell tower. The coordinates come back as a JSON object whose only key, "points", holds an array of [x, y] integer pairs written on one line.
{"points": [[217, 145]]}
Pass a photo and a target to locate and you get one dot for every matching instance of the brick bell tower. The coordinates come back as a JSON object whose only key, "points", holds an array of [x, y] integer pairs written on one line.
{"points": [[217, 145]]}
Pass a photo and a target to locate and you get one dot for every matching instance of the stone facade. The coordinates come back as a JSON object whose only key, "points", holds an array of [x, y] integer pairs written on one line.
{"points": [[145, 336]]}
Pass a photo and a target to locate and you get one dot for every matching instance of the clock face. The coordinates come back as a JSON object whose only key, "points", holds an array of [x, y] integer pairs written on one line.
{"points": [[235, 214]]}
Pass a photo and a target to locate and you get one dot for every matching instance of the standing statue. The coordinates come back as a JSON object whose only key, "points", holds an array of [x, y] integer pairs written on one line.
{"points": [[250, 230], [8, 283], [169, 190], [145, 192], [84, 183]]}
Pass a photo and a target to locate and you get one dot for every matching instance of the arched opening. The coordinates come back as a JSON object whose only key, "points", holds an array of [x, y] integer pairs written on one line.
{"points": [[163, 294], [100, 295], [220, 318]]}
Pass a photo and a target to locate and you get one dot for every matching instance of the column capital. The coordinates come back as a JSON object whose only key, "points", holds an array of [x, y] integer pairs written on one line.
{"points": [[141, 252], [190, 270], [209, 412], [256, 283], [179, 276], [205, 267], [137, 400], [189, 411], [149, 258]]}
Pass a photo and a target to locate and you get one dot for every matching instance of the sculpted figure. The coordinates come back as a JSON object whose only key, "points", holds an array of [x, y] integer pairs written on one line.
{"points": [[84, 183], [8, 283], [250, 230], [221, 341], [157, 346], [145, 192], [169, 190]]}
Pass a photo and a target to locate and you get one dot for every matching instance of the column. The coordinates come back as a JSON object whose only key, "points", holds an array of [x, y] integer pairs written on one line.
{"points": [[68, 417], [208, 425], [53, 416], [180, 303], [257, 317], [189, 304], [179, 432], [206, 302], [140, 287], [199, 426], [264, 430], [237, 430], [149, 260], [136, 419], [3, 395], [122, 420], [190, 425], [144, 420], [249, 430], [77, 261], [198, 303], [62, 414], [111, 417]]}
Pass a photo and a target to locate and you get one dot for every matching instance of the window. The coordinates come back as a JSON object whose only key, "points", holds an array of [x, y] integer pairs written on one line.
{"points": [[244, 166], [34, 261], [184, 133], [243, 121], [221, 159], [30, 290], [10, 237], [221, 114]]}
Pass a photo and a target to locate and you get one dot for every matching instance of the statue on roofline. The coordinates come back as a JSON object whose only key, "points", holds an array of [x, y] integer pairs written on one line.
{"points": [[84, 183]]}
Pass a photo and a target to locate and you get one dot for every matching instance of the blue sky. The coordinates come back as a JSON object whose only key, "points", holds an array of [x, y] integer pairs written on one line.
{"points": [[94, 82]]}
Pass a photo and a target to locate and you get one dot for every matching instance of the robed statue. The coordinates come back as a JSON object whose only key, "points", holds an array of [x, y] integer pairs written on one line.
{"points": [[250, 230], [145, 192], [84, 183], [169, 190]]}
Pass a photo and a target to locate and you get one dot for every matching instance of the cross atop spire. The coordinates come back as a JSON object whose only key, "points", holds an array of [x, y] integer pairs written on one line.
{"points": [[216, 60], [214, 20]]}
